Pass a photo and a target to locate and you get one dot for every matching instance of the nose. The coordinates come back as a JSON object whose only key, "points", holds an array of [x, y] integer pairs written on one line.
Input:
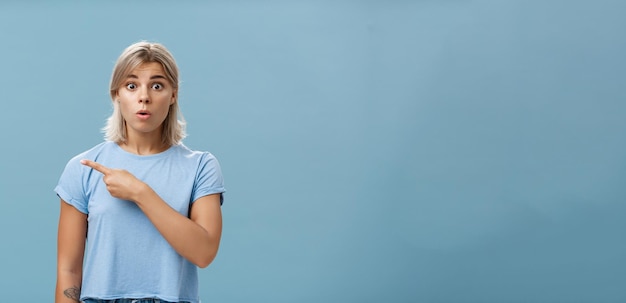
{"points": [[144, 97]]}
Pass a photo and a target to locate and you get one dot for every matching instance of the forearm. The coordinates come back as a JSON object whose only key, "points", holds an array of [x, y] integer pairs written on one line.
{"points": [[68, 287], [70, 252], [187, 237]]}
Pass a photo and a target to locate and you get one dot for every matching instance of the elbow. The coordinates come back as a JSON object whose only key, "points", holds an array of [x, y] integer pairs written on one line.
{"points": [[205, 261], [206, 254]]}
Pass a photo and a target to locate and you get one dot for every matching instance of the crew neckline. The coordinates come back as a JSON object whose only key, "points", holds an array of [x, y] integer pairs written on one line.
{"points": [[136, 156]]}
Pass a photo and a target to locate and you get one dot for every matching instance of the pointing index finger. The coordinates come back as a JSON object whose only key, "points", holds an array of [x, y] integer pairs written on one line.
{"points": [[95, 165]]}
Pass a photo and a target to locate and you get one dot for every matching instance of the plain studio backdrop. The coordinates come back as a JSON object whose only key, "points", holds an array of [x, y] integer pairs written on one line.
{"points": [[373, 151]]}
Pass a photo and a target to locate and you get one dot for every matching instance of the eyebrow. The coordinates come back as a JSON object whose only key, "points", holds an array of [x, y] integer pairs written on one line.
{"points": [[151, 78]]}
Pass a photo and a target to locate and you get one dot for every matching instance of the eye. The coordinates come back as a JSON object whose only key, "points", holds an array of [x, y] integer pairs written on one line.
{"points": [[131, 86], [157, 86]]}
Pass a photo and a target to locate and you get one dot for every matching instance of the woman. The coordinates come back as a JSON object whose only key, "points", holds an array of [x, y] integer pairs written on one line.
{"points": [[141, 209]]}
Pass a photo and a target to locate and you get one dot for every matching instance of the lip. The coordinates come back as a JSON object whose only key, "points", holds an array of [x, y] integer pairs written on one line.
{"points": [[143, 114]]}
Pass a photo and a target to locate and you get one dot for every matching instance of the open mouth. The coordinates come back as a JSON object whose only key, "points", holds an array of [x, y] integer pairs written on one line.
{"points": [[143, 114]]}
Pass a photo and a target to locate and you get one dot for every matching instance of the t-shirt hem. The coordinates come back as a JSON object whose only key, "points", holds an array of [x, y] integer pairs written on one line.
{"points": [[207, 192], [139, 296], [69, 200]]}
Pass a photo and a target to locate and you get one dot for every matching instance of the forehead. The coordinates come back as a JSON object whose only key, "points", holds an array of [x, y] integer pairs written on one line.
{"points": [[147, 69]]}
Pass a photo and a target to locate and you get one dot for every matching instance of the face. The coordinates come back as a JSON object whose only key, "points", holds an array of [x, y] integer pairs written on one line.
{"points": [[144, 99]]}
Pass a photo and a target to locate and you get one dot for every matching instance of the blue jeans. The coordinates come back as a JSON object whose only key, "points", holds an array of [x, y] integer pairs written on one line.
{"points": [[146, 300]]}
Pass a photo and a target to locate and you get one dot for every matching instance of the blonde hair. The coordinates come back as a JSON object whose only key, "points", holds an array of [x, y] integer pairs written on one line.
{"points": [[133, 56]]}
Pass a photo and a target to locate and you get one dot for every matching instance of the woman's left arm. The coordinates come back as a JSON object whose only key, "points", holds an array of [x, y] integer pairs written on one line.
{"points": [[196, 238]]}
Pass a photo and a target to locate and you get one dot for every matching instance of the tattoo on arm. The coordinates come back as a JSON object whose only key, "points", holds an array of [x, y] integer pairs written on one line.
{"points": [[72, 293]]}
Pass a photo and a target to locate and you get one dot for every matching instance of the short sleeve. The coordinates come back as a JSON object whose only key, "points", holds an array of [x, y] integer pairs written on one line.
{"points": [[209, 178], [71, 187]]}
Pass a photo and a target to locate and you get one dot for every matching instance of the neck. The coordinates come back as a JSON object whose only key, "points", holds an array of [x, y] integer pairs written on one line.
{"points": [[144, 145]]}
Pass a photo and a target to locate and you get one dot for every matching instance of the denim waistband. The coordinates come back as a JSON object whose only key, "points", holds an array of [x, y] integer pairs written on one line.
{"points": [[145, 300]]}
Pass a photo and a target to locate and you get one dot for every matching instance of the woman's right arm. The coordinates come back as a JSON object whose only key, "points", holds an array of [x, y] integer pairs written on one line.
{"points": [[71, 239]]}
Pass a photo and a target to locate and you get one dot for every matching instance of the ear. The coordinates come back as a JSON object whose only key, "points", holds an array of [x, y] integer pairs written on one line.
{"points": [[174, 95]]}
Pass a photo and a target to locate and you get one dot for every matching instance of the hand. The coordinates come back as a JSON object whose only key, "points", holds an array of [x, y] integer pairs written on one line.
{"points": [[120, 183]]}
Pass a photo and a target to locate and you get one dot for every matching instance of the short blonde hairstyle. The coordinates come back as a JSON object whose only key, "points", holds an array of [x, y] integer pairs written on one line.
{"points": [[133, 56]]}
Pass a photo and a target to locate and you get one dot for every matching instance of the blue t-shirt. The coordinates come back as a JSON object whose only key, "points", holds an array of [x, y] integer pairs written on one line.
{"points": [[126, 256]]}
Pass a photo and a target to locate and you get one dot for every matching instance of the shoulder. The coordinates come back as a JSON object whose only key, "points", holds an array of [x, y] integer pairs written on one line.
{"points": [[196, 155], [76, 176], [203, 162], [208, 173], [91, 153]]}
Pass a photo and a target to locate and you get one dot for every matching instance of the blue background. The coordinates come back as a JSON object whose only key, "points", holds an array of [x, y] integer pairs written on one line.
{"points": [[374, 151]]}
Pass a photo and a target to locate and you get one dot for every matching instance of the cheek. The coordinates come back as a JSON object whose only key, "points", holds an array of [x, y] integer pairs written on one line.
{"points": [[165, 112], [125, 108]]}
